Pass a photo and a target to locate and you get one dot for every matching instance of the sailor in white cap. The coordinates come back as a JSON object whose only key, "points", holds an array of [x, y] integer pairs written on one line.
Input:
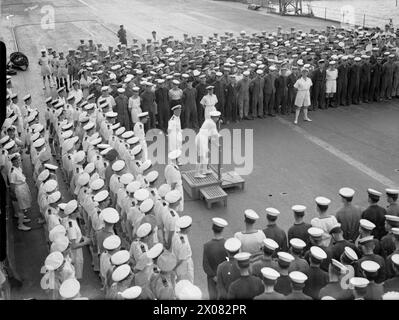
{"points": [[337, 271], [324, 221], [251, 238], [77, 240], [359, 287], [122, 279], [375, 213], [107, 97], [53, 277], [110, 216], [366, 229], [297, 247], [140, 245], [392, 284], [349, 215], [182, 249], [21, 190], [140, 133], [367, 247], [370, 272], [269, 248], [298, 280], [208, 102], [111, 244], [316, 239], [162, 283], [214, 253], [284, 260], [173, 176], [273, 231], [269, 277], [118, 168], [302, 99], [317, 278], [208, 130], [45, 69], [388, 241], [392, 197], [300, 228], [228, 271], [247, 286], [175, 134]]}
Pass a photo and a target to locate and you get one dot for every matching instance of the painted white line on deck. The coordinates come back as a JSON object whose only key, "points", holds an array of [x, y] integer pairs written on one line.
{"points": [[87, 5], [341, 155]]}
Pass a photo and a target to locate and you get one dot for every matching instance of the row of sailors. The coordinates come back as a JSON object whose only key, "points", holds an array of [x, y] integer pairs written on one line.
{"points": [[134, 197], [300, 272], [153, 271]]}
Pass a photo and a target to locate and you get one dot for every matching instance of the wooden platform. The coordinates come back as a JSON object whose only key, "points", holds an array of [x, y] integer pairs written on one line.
{"points": [[192, 185], [213, 194]]}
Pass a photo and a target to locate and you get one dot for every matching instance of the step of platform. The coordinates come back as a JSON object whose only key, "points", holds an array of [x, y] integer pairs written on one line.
{"points": [[212, 195]]}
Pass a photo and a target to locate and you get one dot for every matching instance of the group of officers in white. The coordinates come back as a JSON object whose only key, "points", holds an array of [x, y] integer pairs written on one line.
{"points": [[136, 232]]}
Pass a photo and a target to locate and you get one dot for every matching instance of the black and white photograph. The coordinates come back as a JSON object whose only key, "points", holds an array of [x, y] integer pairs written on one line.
{"points": [[211, 151]]}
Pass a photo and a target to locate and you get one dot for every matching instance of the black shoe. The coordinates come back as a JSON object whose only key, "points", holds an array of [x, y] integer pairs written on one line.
{"points": [[271, 115]]}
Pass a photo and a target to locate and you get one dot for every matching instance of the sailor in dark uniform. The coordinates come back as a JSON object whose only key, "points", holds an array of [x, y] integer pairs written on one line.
{"points": [[388, 241], [269, 248], [392, 197], [393, 283], [370, 271], [367, 246], [298, 280], [273, 231], [246, 286], [338, 242], [300, 228], [388, 261], [349, 215], [228, 271], [270, 277], [317, 278], [214, 253], [359, 288], [299, 264], [375, 213], [283, 284]]}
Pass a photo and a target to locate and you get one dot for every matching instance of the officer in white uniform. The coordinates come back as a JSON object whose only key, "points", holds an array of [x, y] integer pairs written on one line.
{"points": [[175, 135]]}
